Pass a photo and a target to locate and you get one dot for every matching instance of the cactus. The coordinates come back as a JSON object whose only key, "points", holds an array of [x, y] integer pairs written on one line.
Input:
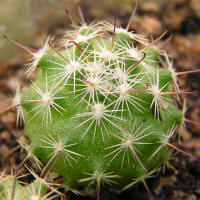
{"points": [[12, 188], [103, 107]]}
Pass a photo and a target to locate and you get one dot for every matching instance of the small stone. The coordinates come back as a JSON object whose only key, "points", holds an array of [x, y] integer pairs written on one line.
{"points": [[150, 6], [197, 191], [177, 194], [148, 24], [175, 17], [5, 135], [9, 119], [186, 135], [163, 182], [191, 197], [195, 5]]}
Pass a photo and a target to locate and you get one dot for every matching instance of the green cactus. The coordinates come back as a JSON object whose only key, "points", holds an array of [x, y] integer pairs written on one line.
{"points": [[12, 188], [102, 109]]}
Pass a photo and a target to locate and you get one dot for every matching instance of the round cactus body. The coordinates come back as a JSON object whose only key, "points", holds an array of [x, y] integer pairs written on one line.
{"points": [[11, 188], [102, 107]]}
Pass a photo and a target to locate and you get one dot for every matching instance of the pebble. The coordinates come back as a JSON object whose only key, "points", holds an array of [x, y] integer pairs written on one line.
{"points": [[147, 24], [191, 197], [5, 135], [9, 119]]}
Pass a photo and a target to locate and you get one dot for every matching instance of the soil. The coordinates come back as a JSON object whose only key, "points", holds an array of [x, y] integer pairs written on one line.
{"points": [[180, 182]]}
